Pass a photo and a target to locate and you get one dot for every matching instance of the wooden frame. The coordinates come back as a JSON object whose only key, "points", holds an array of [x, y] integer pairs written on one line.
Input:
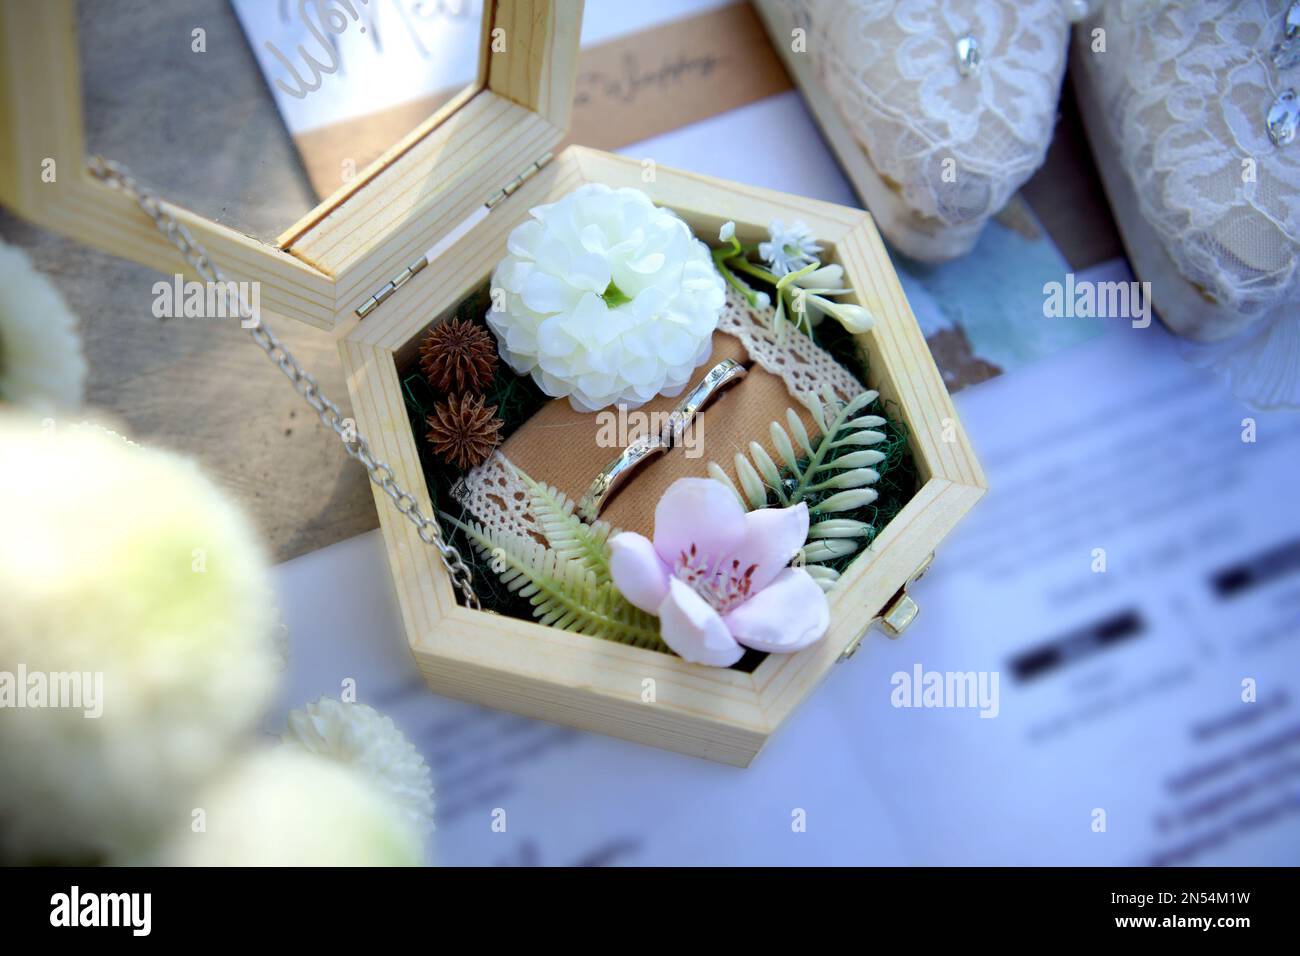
{"points": [[585, 682], [324, 266], [422, 191]]}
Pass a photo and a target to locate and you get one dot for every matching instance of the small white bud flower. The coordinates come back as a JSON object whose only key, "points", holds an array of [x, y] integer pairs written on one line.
{"points": [[790, 249]]}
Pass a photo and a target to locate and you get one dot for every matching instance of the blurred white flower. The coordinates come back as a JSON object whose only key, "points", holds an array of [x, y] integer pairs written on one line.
{"points": [[789, 249], [727, 232], [364, 739], [284, 807], [125, 562], [608, 298], [41, 365]]}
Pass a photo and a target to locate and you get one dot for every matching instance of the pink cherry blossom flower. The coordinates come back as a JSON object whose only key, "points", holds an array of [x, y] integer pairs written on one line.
{"points": [[717, 576]]}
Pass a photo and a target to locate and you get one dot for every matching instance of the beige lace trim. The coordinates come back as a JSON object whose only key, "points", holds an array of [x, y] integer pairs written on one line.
{"points": [[804, 366], [494, 494]]}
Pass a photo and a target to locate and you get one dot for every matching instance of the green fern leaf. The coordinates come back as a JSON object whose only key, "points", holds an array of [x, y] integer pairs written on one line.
{"points": [[755, 490], [766, 467], [568, 535], [845, 501], [781, 441], [831, 549], [813, 468], [839, 528], [563, 591], [800, 433], [860, 459], [717, 473], [824, 576]]}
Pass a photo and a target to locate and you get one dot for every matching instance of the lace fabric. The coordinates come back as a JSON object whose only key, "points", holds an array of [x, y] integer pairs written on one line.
{"points": [[955, 147], [494, 494], [1185, 88], [1260, 365], [804, 366]]}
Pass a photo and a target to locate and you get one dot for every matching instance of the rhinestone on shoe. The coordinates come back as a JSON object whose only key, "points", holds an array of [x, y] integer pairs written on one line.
{"points": [[968, 55], [1078, 10], [1284, 118], [1286, 54]]}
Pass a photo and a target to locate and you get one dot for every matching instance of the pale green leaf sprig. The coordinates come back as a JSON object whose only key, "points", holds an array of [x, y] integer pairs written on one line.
{"points": [[803, 295], [566, 580], [832, 474], [568, 535]]}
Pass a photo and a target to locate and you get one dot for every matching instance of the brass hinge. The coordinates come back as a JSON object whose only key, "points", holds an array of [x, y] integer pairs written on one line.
{"points": [[391, 286], [529, 171], [896, 616], [399, 280]]}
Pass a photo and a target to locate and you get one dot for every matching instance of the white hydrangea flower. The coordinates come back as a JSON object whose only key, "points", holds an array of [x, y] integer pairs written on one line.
{"points": [[790, 249], [608, 298], [360, 737], [41, 365], [284, 807], [127, 563]]}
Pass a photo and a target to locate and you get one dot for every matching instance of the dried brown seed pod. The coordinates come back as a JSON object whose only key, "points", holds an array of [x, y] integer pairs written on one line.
{"points": [[458, 357], [462, 431]]}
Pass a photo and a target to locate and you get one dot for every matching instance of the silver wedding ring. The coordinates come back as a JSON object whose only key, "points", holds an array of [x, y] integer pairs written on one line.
{"points": [[615, 474]]}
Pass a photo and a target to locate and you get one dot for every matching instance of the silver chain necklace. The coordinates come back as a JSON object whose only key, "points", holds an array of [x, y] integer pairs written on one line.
{"points": [[304, 383]]}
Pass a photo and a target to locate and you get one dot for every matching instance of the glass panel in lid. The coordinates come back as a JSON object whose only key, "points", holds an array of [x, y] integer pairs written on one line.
{"points": [[250, 112]]}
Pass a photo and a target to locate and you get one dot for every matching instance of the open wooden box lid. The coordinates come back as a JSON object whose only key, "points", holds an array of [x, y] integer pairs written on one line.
{"points": [[326, 267]]}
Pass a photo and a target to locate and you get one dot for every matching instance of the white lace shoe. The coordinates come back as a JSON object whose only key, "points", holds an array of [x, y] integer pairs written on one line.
{"points": [[1177, 108], [953, 102]]}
